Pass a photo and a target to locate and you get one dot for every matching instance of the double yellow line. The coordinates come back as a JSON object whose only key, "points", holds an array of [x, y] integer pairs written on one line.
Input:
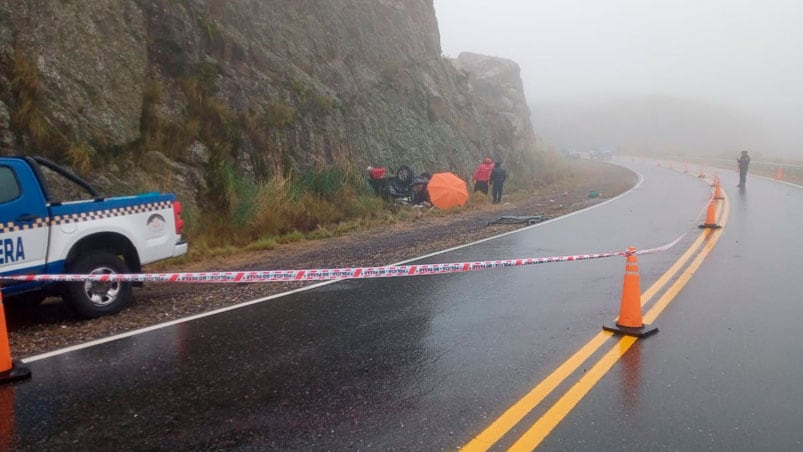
{"points": [[560, 409]]}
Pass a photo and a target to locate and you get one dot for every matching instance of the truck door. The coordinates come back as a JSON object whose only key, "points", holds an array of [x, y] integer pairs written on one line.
{"points": [[23, 219]]}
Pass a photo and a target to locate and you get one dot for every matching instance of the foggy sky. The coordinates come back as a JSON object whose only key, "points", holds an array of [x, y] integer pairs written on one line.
{"points": [[740, 59]]}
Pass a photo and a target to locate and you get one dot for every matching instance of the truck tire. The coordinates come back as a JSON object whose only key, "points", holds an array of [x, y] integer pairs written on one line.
{"points": [[90, 299]]}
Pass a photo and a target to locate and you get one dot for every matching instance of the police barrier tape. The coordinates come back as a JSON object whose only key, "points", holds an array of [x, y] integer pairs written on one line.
{"points": [[328, 274]]}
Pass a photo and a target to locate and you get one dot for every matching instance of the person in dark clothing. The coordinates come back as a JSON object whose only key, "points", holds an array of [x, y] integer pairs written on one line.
{"points": [[744, 162], [420, 193], [482, 174], [498, 176]]}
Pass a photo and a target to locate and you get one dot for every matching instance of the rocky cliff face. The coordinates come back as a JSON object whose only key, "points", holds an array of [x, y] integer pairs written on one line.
{"points": [[497, 82], [163, 93]]}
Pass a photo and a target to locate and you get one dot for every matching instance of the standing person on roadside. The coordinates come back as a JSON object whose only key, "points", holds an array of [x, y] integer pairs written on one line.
{"points": [[482, 175], [498, 176], [744, 162]]}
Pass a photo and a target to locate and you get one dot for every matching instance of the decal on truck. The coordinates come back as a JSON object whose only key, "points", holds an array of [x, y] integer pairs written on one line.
{"points": [[78, 217], [17, 227], [102, 214], [11, 250]]}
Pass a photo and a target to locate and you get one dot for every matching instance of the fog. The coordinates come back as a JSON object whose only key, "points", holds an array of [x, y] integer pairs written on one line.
{"points": [[680, 76]]}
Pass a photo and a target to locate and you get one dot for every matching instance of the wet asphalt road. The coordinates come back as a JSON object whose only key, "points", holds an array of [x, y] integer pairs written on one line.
{"points": [[725, 370], [427, 363]]}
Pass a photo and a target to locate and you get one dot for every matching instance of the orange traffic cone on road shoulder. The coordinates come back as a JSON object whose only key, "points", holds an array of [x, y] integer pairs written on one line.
{"points": [[630, 322], [718, 189], [710, 217], [779, 173], [10, 370]]}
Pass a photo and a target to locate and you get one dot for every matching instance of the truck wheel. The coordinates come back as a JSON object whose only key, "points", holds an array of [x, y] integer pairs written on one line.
{"points": [[91, 299]]}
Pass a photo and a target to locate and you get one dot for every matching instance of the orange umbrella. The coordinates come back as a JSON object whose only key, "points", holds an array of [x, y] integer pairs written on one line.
{"points": [[446, 190]]}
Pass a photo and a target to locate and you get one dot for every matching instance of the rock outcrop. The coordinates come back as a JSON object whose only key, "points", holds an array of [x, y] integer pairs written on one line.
{"points": [[497, 82], [162, 93]]}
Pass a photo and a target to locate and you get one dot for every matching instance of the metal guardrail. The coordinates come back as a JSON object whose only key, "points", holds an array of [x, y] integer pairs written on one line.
{"points": [[733, 162], [780, 171]]}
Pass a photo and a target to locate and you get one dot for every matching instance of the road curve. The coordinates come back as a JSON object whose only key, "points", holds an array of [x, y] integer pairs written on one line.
{"points": [[431, 362]]}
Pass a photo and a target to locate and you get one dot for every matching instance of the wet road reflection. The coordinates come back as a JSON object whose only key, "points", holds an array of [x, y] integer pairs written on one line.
{"points": [[630, 386]]}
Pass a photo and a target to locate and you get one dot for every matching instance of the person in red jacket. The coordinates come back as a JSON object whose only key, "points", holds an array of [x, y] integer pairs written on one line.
{"points": [[482, 175], [376, 177]]}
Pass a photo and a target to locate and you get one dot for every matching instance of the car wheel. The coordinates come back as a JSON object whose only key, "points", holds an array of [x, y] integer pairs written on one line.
{"points": [[92, 299], [405, 174]]}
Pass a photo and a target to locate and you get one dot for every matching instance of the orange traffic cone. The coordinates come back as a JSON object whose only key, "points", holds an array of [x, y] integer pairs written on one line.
{"points": [[710, 217], [717, 189], [779, 173], [10, 371], [630, 322]]}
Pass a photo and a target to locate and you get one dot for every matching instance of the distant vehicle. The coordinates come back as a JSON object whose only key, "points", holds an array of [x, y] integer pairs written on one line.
{"points": [[42, 233], [601, 155]]}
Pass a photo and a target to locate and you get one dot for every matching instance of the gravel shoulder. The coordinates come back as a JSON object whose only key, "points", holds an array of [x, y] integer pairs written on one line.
{"points": [[49, 326]]}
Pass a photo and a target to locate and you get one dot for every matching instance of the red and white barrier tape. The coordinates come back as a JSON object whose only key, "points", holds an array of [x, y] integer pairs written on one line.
{"points": [[329, 274], [661, 248]]}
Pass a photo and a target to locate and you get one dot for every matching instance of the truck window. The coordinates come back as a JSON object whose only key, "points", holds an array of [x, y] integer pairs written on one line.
{"points": [[9, 187]]}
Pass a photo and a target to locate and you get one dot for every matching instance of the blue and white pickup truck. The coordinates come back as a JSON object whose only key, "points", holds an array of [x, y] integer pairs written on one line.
{"points": [[43, 234]]}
